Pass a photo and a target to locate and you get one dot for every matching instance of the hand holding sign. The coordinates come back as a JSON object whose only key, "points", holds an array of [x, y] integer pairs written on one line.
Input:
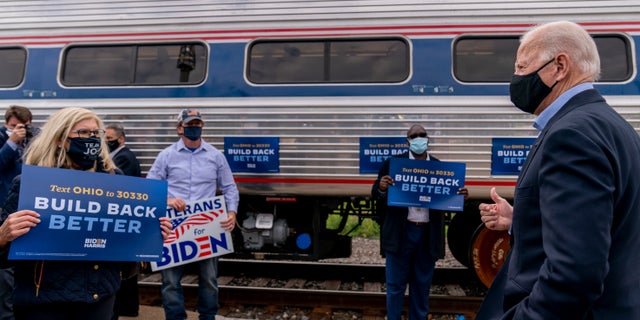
{"points": [[427, 184], [17, 224], [92, 216], [198, 233]]}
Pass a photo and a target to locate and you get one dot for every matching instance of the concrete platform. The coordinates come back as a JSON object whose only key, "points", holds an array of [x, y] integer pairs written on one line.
{"points": [[157, 313]]}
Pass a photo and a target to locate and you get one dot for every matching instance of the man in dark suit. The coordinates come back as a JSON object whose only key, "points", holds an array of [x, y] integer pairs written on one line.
{"points": [[411, 238], [576, 210], [119, 152], [127, 298]]}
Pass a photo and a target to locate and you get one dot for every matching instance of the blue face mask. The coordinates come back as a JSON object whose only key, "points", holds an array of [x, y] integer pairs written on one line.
{"points": [[419, 145], [192, 133]]}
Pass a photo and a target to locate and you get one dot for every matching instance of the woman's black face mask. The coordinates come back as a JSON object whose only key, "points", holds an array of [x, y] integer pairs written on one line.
{"points": [[84, 151]]}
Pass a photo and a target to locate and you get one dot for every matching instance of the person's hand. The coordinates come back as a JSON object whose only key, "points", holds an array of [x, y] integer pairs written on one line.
{"points": [[498, 215], [17, 224], [18, 134], [177, 203], [464, 191], [165, 226], [385, 182], [230, 223]]}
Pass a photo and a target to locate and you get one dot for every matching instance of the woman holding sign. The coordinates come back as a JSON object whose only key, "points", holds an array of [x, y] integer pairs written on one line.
{"points": [[72, 138]]}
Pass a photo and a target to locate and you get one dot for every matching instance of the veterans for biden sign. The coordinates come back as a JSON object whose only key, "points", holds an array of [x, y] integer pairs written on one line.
{"points": [[427, 184], [196, 234], [90, 216]]}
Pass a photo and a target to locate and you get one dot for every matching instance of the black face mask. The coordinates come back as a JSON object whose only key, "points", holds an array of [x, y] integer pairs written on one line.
{"points": [[528, 91], [84, 151], [113, 145], [193, 133]]}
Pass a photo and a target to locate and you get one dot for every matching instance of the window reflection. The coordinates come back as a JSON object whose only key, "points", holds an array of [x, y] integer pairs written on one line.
{"points": [[328, 61]]}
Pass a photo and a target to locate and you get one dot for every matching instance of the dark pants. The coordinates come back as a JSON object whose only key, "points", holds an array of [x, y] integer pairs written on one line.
{"points": [[101, 310], [6, 293], [492, 306], [414, 265], [127, 299]]}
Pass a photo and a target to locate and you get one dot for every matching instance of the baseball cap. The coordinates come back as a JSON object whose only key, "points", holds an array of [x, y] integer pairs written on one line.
{"points": [[187, 115]]}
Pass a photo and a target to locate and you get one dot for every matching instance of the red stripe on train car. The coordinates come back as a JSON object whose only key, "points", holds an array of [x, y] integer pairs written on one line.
{"points": [[355, 181]]}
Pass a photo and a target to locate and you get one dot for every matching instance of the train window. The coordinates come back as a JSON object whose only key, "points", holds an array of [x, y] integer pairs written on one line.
{"points": [[12, 64], [131, 65], [491, 59], [482, 59], [615, 58], [328, 61]]}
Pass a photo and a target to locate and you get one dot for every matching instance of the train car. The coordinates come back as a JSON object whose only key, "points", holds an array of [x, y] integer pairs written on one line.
{"points": [[310, 79]]}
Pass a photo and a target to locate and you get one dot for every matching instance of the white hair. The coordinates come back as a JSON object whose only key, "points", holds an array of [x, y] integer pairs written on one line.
{"points": [[564, 36]]}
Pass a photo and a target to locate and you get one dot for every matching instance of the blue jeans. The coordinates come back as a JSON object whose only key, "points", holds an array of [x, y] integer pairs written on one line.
{"points": [[412, 264], [6, 294], [173, 298]]}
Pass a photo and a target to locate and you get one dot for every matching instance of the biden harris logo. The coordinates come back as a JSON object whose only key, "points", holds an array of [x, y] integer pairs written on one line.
{"points": [[95, 243]]}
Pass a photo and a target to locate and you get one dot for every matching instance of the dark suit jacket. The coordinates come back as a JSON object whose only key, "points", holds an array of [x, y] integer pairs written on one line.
{"points": [[576, 220], [394, 219], [10, 164], [127, 162]]}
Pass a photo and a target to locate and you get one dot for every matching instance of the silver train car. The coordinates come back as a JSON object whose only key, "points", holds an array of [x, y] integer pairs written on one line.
{"points": [[316, 75]]}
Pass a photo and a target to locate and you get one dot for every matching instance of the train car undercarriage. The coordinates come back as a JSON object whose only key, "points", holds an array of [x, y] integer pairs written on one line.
{"points": [[295, 228]]}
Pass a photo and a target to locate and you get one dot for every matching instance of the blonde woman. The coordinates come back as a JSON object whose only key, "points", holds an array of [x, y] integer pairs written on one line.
{"points": [[72, 138]]}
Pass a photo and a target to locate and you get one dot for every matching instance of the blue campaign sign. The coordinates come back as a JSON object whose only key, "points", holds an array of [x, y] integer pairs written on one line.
{"points": [[374, 151], [256, 155], [508, 154], [90, 216], [427, 184]]}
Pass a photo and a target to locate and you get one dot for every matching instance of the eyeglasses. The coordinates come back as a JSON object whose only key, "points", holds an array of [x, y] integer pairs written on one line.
{"points": [[415, 135], [86, 133]]}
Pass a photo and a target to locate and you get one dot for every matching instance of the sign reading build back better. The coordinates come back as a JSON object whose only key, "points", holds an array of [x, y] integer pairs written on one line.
{"points": [[426, 184], [90, 216]]}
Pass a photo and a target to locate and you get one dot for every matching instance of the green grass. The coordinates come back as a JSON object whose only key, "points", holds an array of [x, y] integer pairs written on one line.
{"points": [[368, 228]]}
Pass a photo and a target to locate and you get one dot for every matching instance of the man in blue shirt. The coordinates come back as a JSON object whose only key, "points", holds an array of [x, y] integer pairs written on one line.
{"points": [[194, 170]]}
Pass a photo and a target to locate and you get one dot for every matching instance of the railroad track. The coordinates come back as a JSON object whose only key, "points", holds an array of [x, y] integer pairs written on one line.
{"points": [[321, 287]]}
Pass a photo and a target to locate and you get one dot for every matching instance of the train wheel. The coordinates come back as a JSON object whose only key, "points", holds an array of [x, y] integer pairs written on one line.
{"points": [[489, 248], [462, 226]]}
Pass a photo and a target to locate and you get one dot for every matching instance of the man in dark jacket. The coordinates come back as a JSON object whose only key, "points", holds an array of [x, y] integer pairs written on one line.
{"points": [[122, 156], [411, 238], [14, 136], [127, 302], [576, 206]]}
